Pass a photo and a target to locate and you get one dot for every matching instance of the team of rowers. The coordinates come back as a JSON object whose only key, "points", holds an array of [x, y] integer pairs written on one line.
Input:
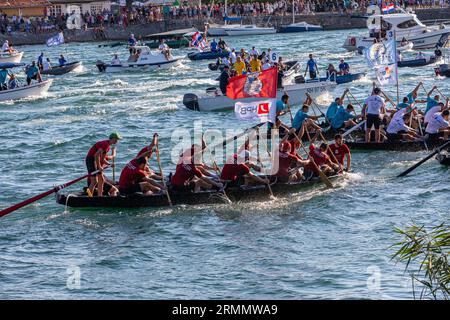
{"points": [[192, 175]]}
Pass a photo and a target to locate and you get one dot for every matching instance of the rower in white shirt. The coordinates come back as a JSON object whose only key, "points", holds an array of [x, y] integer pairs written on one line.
{"points": [[46, 64], [397, 129], [430, 113], [438, 125], [115, 60]]}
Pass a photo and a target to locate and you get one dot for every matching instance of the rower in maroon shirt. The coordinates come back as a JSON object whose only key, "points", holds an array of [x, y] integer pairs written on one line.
{"points": [[133, 178], [237, 171], [340, 151], [288, 163], [97, 159]]}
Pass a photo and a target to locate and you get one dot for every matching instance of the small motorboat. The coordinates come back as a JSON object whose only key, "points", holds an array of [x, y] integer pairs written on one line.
{"points": [[300, 27], [213, 100], [60, 70], [175, 39], [14, 57], [34, 90], [419, 62], [249, 30], [443, 70], [339, 79], [144, 59], [207, 55]]}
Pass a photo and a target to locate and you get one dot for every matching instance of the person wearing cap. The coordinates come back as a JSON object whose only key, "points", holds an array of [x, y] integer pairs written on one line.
{"points": [[373, 107], [344, 68], [134, 178], [236, 171], [343, 118], [97, 159], [33, 73], [223, 79], [288, 166]]}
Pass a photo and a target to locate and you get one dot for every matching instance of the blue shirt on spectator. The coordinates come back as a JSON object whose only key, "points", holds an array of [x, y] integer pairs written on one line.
{"points": [[311, 65]]}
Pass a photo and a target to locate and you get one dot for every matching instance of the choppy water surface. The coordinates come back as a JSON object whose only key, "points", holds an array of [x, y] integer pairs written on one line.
{"points": [[313, 244]]}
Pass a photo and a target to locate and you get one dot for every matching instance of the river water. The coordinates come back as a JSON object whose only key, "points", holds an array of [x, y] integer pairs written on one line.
{"points": [[316, 243]]}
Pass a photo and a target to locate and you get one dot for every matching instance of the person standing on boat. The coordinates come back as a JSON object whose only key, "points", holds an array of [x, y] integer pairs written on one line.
{"points": [[438, 125], [344, 68], [340, 151], [132, 40], [6, 47], [4, 74], [40, 61], [223, 79], [255, 64], [311, 65], [232, 56], [373, 107], [213, 46], [97, 159], [115, 60], [62, 61], [33, 73], [133, 178], [239, 66]]}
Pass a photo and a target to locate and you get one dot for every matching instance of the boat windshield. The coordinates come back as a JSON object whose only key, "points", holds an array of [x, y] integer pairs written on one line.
{"points": [[407, 24]]}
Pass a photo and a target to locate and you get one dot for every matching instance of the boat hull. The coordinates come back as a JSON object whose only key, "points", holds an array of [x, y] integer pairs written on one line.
{"points": [[15, 57], [250, 31], [34, 90], [109, 68], [296, 92], [394, 145], [345, 78], [57, 71], [207, 55], [81, 200], [418, 62], [290, 29]]}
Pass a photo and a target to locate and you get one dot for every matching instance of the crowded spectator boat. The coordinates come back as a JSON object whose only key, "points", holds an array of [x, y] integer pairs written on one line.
{"points": [[214, 100], [141, 58], [13, 90], [404, 26], [300, 27]]}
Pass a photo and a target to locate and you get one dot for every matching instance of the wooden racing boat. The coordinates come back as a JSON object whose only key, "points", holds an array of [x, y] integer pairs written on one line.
{"points": [[397, 145], [80, 199]]}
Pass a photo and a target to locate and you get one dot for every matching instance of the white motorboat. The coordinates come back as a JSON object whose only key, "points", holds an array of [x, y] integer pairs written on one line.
{"points": [[215, 101], [300, 27], [144, 59], [34, 90], [13, 57], [217, 30], [249, 30], [403, 25]]}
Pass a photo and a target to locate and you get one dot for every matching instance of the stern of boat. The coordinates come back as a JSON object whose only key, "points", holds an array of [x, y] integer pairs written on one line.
{"points": [[350, 43], [101, 66], [190, 101]]}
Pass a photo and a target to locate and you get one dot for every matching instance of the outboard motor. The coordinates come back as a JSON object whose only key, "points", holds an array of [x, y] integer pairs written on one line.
{"points": [[100, 65], [299, 79], [190, 100], [361, 49]]}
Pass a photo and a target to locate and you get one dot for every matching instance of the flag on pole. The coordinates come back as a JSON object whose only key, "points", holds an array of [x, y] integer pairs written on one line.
{"points": [[380, 54], [55, 40], [198, 41], [263, 110], [251, 85], [388, 8], [387, 75]]}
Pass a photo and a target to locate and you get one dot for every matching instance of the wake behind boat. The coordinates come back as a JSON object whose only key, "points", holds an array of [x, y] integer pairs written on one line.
{"points": [[141, 58]]}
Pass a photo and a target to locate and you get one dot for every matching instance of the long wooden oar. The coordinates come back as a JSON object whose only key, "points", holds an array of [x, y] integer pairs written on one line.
{"points": [[158, 159], [24, 203], [114, 165], [262, 166], [404, 173], [322, 175]]}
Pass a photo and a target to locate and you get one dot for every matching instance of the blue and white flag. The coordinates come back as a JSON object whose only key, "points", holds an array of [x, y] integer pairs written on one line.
{"points": [[387, 75], [56, 40], [381, 54]]}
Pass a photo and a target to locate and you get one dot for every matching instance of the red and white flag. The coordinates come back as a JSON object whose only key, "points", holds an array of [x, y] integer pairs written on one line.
{"points": [[254, 85], [263, 110]]}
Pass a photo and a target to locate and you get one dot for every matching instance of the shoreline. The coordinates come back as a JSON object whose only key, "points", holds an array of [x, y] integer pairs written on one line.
{"points": [[329, 21]]}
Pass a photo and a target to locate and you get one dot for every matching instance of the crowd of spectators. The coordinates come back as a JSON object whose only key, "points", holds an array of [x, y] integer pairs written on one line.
{"points": [[148, 14]]}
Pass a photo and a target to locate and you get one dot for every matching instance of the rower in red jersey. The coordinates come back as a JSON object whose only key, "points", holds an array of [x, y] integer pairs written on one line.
{"points": [[189, 175], [341, 151], [237, 171], [97, 159], [133, 178], [322, 160], [147, 152], [288, 163]]}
